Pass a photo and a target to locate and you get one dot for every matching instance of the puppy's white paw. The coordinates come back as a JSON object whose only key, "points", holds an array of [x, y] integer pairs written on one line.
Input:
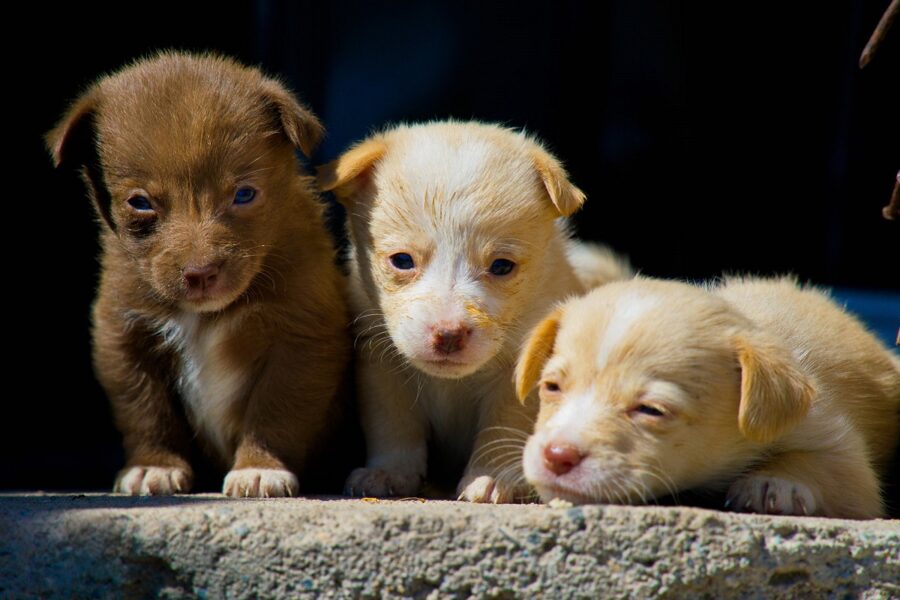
{"points": [[771, 495], [487, 489], [152, 481], [260, 483], [381, 483]]}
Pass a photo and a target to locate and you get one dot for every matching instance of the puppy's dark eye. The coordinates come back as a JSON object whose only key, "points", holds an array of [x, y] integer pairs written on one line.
{"points": [[244, 195], [502, 266], [646, 409], [402, 261], [551, 386], [140, 203]]}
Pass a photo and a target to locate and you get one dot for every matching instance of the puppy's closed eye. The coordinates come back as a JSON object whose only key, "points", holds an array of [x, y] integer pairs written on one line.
{"points": [[646, 410]]}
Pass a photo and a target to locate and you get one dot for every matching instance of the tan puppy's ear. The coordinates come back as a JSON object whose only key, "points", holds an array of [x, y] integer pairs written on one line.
{"points": [[299, 124], [565, 196], [73, 142], [775, 394], [348, 173], [538, 349]]}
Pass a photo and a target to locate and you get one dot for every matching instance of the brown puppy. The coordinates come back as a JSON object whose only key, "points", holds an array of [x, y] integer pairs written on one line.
{"points": [[756, 386], [220, 312]]}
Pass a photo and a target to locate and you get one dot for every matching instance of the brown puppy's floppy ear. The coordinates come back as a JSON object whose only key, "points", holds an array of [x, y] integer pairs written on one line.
{"points": [[537, 350], [300, 125], [565, 196], [73, 142], [775, 394], [348, 173]]}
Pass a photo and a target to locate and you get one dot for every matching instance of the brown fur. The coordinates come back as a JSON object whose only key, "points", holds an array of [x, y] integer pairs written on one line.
{"points": [[256, 364], [764, 388]]}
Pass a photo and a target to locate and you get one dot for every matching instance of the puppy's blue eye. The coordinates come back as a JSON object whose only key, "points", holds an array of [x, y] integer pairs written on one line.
{"points": [[649, 410], [402, 261], [502, 266], [244, 195], [140, 203]]}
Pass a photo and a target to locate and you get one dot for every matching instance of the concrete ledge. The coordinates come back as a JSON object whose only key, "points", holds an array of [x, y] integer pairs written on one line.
{"points": [[206, 546]]}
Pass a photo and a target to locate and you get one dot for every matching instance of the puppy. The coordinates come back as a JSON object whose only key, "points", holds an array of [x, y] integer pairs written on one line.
{"points": [[456, 252], [220, 312], [651, 387]]}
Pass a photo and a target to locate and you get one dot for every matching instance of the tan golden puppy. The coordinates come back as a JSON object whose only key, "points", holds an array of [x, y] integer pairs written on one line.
{"points": [[650, 387], [220, 312], [456, 253]]}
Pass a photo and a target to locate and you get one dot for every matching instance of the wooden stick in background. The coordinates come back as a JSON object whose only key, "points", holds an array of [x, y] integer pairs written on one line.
{"points": [[887, 19]]}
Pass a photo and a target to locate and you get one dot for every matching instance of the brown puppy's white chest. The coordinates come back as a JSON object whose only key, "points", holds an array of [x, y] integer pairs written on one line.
{"points": [[211, 385]]}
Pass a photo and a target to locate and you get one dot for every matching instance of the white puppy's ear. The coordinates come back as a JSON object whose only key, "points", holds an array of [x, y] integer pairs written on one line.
{"points": [[535, 354], [352, 170], [565, 196], [775, 393]]}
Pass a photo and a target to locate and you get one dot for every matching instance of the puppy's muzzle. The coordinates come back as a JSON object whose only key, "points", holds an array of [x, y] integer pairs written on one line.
{"points": [[561, 458], [199, 281], [449, 340]]}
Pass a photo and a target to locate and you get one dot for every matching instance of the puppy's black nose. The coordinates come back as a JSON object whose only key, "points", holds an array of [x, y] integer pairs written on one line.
{"points": [[448, 341], [201, 279], [562, 458]]}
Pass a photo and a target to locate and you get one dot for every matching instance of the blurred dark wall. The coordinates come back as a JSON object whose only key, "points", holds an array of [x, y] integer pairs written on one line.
{"points": [[709, 138]]}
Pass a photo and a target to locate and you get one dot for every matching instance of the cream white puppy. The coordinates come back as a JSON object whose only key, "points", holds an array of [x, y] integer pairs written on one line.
{"points": [[456, 253], [756, 386]]}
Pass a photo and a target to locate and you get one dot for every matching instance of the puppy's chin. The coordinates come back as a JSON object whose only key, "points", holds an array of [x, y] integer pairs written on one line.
{"points": [[209, 304], [446, 368], [551, 492]]}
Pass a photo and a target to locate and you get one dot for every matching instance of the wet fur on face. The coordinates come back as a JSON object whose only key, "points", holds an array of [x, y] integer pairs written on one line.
{"points": [[457, 250], [755, 386], [218, 286]]}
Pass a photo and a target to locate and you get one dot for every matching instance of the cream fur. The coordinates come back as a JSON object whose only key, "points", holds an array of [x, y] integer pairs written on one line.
{"points": [[455, 196], [210, 385], [768, 390]]}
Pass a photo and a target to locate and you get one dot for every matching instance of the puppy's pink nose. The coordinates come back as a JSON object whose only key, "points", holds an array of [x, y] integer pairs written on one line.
{"points": [[449, 340], [200, 279], [561, 458]]}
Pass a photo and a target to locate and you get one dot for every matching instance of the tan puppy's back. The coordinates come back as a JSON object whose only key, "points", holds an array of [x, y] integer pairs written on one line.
{"points": [[834, 348]]}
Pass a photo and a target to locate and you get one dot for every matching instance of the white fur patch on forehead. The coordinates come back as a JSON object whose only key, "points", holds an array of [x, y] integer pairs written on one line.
{"points": [[577, 412], [629, 309], [457, 159], [432, 161]]}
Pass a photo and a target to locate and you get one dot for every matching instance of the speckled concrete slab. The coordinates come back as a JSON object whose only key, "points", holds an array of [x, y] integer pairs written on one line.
{"points": [[206, 546]]}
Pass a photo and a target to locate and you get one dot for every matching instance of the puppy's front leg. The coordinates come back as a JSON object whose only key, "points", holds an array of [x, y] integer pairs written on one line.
{"points": [[286, 415], [832, 482], [155, 433], [494, 473], [395, 430]]}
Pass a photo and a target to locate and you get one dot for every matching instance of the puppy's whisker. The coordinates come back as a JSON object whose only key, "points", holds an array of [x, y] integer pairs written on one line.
{"points": [[513, 430]]}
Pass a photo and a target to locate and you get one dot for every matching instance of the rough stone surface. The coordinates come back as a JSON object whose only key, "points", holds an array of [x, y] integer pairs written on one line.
{"points": [[211, 547]]}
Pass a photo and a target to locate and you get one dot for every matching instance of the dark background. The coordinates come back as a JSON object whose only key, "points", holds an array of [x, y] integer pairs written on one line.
{"points": [[737, 137]]}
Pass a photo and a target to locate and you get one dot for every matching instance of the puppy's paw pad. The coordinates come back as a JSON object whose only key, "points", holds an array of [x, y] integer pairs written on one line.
{"points": [[381, 483], [152, 481], [260, 483], [487, 489], [766, 494]]}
